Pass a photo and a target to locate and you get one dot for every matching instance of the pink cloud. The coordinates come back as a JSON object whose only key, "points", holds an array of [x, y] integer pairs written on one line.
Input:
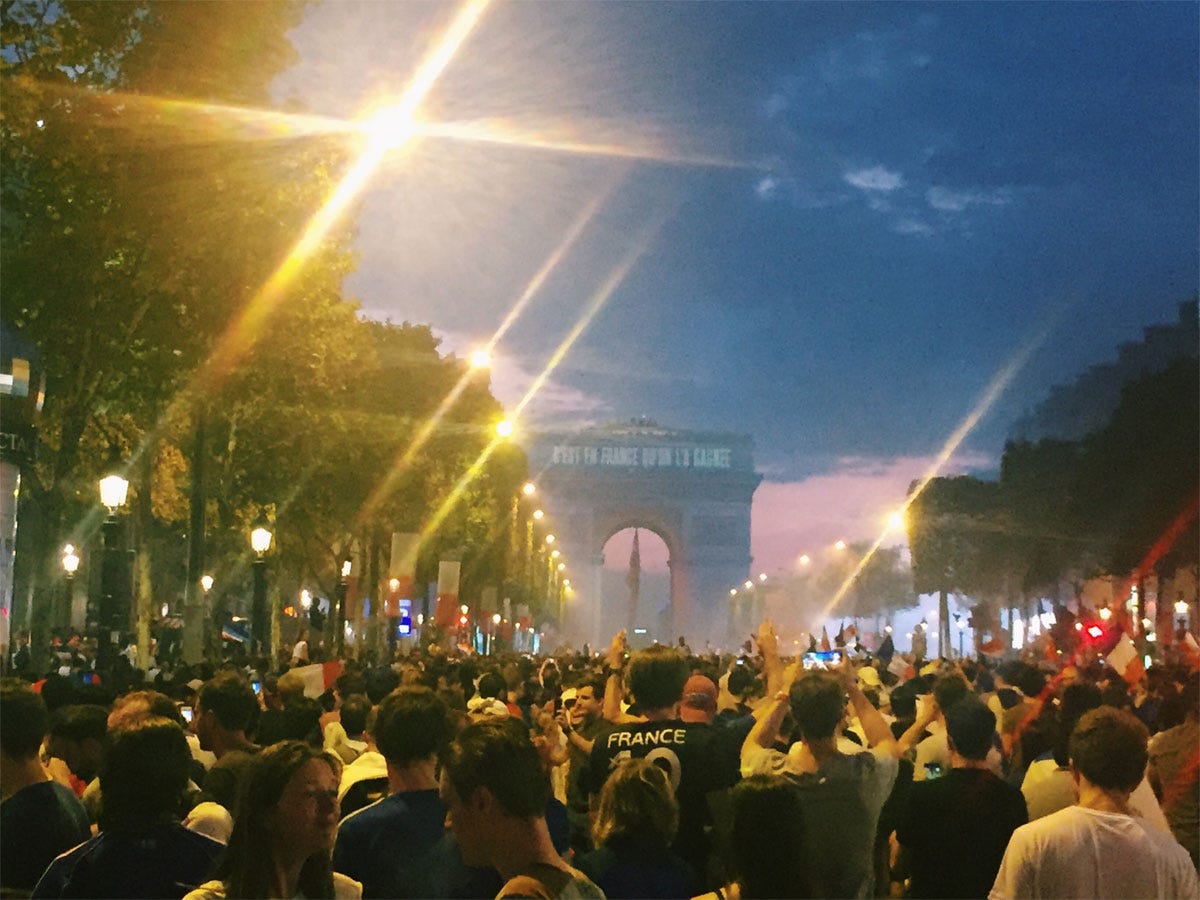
{"points": [[850, 504]]}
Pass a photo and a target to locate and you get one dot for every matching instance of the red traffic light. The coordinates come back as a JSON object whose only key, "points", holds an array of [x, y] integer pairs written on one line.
{"points": [[1095, 632]]}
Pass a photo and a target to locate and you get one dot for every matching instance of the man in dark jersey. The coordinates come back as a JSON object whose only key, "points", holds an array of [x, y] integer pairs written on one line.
{"points": [[699, 758], [39, 818]]}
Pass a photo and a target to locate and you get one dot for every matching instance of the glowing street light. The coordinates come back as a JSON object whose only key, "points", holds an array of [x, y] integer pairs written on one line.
{"points": [[114, 490], [70, 560], [762, 576], [1105, 613], [805, 559], [481, 359], [538, 514], [733, 592], [748, 585], [206, 583], [70, 564], [1181, 607], [550, 539], [107, 618], [504, 428], [260, 543], [840, 545], [529, 489]]}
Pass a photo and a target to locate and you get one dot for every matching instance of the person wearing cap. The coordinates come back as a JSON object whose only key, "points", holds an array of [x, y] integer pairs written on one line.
{"points": [[699, 758]]}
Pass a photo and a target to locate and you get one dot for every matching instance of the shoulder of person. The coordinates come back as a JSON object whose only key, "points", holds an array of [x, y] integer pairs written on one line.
{"points": [[346, 888], [210, 890]]}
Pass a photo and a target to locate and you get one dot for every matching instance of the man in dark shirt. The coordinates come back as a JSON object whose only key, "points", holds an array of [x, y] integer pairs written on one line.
{"points": [[699, 758], [955, 827], [143, 851], [39, 818], [399, 846]]}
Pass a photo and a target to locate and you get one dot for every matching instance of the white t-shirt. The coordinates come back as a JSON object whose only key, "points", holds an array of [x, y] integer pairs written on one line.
{"points": [[1079, 852], [300, 652], [1048, 788]]}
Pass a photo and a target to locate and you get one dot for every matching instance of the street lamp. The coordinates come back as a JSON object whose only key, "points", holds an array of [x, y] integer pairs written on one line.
{"points": [[260, 543], [529, 489], [105, 620], [339, 614], [840, 545], [70, 564], [962, 627], [206, 583]]}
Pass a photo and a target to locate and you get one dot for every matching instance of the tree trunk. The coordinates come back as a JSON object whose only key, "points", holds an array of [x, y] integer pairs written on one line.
{"points": [[143, 513], [194, 598]]}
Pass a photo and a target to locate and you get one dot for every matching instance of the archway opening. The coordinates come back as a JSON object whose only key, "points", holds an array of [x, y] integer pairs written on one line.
{"points": [[636, 587]]}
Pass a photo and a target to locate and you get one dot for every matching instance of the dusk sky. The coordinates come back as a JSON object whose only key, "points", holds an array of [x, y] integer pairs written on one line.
{"points": [[840, 221]]}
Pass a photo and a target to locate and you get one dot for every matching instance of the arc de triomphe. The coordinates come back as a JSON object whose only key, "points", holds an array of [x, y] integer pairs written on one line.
{"points": [[693, 489]]}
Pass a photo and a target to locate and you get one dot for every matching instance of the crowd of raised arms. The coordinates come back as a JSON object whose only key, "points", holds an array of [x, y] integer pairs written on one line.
{"points": [[652, 774]]}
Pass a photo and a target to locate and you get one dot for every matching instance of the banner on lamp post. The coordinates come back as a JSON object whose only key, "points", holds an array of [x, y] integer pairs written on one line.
{"points": [[401, 568], [447, 594]]}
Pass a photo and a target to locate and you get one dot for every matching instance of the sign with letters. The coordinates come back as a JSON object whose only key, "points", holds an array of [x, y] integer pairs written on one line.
{"points": [[651, 457]]}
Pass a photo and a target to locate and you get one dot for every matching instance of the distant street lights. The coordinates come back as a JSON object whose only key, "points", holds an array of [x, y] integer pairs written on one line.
{"points": [[260, 543], [111, 614]]}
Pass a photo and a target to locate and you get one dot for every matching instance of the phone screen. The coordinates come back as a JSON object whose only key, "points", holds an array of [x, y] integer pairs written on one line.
{"points": [[822, 659], [257, 685], [186, 712], [933, 770]]}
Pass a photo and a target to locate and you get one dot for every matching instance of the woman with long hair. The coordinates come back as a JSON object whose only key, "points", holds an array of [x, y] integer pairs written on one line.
{"points": [[283, 830], [636, 820]]}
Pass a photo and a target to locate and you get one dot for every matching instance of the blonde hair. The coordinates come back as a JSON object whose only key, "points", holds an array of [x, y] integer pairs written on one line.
{"points": [[637, 801]]}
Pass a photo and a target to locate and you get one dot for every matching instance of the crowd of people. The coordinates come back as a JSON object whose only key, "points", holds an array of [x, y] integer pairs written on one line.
{"points": [[651, 774]]}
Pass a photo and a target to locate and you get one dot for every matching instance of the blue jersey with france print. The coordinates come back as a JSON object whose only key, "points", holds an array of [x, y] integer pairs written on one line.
{"points": [[698, 758]]}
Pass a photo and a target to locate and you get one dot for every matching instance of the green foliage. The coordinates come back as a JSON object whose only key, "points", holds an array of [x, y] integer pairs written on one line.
{"points": [[1071, 509], [137, 227]]}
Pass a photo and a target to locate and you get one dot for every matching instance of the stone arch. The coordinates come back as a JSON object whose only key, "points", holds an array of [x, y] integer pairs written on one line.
{"points": [[693, 489]]}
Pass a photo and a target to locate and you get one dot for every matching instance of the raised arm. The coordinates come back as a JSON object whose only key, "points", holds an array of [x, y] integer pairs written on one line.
{"points": [[878, 734], [614, 662], [768, 646]]}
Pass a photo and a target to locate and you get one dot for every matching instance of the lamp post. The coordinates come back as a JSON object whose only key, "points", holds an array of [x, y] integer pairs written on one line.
{"points": [[70, 564], [260, 543], [962, 628], [339, 616], [107, 625]]}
